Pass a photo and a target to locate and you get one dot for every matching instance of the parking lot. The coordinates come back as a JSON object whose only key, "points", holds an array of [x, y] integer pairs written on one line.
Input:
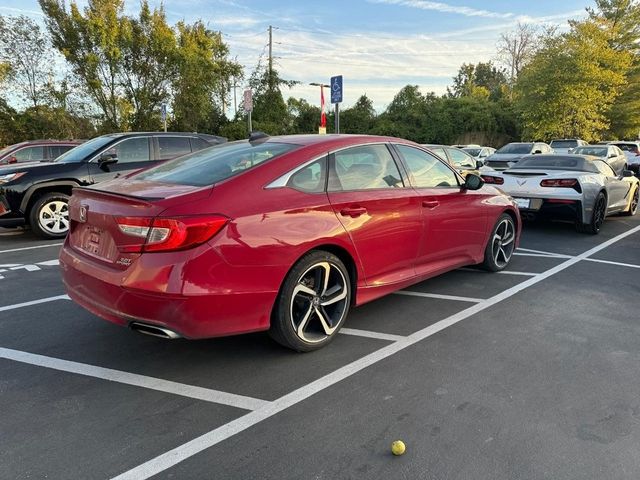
{"points": [[530, 373]]}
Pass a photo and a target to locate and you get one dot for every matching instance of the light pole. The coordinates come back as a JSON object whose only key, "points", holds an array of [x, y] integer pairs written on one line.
{"points": [[323, 117]]}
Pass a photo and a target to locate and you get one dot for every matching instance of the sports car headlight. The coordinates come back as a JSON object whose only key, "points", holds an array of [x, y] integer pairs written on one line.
{"points": [[10, 177]]}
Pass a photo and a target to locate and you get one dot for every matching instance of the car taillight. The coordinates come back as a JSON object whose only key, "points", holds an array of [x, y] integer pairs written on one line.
{"points": [[562, 183], [493, 180], [167, 234]]}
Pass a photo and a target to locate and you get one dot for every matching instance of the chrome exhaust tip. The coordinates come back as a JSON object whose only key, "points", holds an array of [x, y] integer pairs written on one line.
{"points": [[153, 330]]}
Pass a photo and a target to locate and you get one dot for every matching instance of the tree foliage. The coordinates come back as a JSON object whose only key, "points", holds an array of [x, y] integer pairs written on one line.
{"points": [[483, 80], [25, 57], [570, 85]]}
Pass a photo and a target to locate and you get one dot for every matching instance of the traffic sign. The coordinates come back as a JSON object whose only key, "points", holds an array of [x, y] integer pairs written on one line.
{"points": [[163, 111], [336, 89], [248, 100]]}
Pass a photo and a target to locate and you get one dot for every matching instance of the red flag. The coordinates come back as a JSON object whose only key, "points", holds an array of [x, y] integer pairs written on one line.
{"points": [[323, 117]]}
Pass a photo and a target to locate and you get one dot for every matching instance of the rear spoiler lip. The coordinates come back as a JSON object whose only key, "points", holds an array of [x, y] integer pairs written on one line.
{"points": [[112, 194]]}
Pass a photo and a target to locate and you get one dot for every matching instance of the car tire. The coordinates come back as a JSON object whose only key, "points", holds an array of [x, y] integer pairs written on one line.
{"points": [[501, 244], [633, 207], [49, 216], [313, 302], [597, 217]]}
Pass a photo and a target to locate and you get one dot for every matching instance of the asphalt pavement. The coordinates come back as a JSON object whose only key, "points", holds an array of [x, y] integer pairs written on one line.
{"points": [[526, 374]]}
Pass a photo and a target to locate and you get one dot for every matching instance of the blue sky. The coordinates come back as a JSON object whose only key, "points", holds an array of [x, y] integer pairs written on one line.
{"points": [[377, 45]]}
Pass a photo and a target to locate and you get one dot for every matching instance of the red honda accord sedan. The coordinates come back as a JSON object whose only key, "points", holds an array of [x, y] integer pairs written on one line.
{"points": [[277, 233]]}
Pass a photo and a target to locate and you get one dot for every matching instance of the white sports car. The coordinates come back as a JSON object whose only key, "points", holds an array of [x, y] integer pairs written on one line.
{"points": [[580, 188]]}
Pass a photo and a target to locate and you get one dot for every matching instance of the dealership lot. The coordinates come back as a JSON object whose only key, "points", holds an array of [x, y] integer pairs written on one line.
{"points": [[530, 373]]}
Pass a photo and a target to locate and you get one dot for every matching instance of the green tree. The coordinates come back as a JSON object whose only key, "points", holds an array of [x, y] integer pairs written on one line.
{"points": [[25, 55], [621, 21], [204, 74], [270, 113], [304, 117], [571, 83], [359, 118], [91, 42]]}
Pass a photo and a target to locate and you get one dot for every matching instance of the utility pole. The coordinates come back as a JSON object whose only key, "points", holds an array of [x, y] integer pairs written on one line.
{"points": [[270, 57], [235, 101]]}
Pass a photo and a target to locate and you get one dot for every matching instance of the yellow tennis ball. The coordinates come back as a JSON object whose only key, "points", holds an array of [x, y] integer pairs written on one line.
{"points": [[398, 447]]}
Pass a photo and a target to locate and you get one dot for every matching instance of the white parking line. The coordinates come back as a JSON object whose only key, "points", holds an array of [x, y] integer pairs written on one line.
{"points": [[524, 274], [543, 255], [152, 383], [411, 293], [31, 248], [630, 265], [369, 334], [548, 254], [34, 302], [209, 439], [49, 263]]}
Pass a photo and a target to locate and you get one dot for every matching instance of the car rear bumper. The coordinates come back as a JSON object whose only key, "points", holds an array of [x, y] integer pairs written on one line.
{"points": [[195, 315], [553, 209]]}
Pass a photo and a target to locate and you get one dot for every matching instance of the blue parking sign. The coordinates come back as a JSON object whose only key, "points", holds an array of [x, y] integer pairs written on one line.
{"points": [[336, 89]]}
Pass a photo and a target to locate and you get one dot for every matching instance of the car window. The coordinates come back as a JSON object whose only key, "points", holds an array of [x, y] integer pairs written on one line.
{"points": [[564, 143], [310, 179], [56, 150], [475, 152], [627, 147], [363, 168], [595, 151], [30, 154], [516, 148], [207, 167], [427, 170], [131, 150], [171, 147], [199, 144], [439, 152], [461, 159], [604, 168]]}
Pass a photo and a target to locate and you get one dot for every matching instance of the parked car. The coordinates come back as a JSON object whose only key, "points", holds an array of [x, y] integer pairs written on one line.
{"points": [[511, 153], [609, 153], [36, 151], [282, 234], [459, 159], [479, 152], [632, 151], [566, 145], [580, 188], [37, 194]]}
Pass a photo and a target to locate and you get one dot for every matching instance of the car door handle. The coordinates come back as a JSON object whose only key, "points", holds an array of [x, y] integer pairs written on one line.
{"points": [[353, 212], [430, 203]]}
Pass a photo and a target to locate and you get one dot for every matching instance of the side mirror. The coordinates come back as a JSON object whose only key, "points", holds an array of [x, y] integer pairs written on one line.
{"points": [[612, 155], [479, 163], [473, 182], [628, 173], [12, 159], [536, 152], [107, 159]]}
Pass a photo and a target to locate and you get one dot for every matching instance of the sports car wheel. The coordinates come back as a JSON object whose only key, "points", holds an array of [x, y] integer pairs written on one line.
{"points": [[313, 303], [49, 216], [597, 217], [501, 244], [633, 205]]}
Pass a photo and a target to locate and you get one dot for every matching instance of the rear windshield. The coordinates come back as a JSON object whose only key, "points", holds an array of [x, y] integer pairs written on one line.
{"points": [[564, 143], [516, 148], [215, 164], [627, 147], [595, 151], [555, 162], [474, 152]]}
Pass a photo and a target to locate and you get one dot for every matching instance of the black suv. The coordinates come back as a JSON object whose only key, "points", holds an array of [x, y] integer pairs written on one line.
{"points": [[37, 194]]}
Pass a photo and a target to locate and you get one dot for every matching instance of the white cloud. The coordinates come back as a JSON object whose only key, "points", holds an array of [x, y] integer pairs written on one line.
{"points": [[445, 8]]}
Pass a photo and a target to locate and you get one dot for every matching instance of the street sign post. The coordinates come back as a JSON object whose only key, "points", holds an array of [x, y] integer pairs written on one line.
{"points": [[336, 97], [163, 115], [248, 106]]}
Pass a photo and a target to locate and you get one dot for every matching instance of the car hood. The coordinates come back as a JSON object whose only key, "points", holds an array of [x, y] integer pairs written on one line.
{"points": [[33, 166]]}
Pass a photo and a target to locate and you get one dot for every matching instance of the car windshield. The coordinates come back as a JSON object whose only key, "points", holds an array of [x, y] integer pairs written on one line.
{"points": [[215, 164], [474, 152], [564, 143], [627, 147], [87, 149], [516, 148], [595, 151]]}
